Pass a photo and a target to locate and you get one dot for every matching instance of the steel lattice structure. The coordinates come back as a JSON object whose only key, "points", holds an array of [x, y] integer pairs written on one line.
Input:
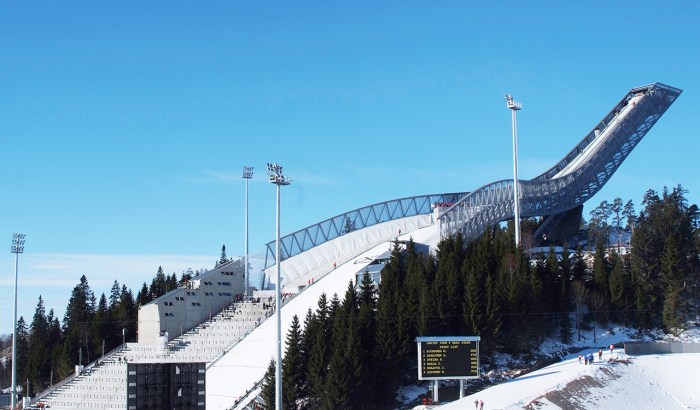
{"points": [[574, 179], [332, 228]]}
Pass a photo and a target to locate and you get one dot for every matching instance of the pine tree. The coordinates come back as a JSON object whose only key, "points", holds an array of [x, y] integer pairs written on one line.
{"points": [[126, 314], [618, 288], [600, 268], [318, 334], [159, 284], [76, 322], [474, 300], [39, 351], [579, 270], [269, 389], [22, 341], [307, 343], [114, 296], [101, 326], [223, 259], [565, 297], [511, 298], [58, 363], [387, 350], [538, 323], [342, 367], [293, 367], [171, 283], [143, 296], [672, 279]]}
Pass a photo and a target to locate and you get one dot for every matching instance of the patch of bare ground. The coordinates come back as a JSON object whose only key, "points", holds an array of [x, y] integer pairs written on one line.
{"points": [[576, 394]]}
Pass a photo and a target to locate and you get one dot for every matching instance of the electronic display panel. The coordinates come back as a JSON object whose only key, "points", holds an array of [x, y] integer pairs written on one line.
{"points": [[448, 357]]}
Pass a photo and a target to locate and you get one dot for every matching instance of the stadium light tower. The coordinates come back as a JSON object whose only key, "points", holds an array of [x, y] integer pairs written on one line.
{"points": [[515, 106], [247, 175], [276, 177], [17, 248]]}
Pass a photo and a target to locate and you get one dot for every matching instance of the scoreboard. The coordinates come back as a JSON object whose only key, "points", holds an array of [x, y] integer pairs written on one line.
{"points": [[448, 357]]}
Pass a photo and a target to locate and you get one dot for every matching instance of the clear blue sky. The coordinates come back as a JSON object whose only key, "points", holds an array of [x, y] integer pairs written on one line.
{"points": [[124, 125]]}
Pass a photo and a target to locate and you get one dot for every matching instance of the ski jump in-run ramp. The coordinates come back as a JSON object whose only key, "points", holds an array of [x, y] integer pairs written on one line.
{"points": [[351, 240]]}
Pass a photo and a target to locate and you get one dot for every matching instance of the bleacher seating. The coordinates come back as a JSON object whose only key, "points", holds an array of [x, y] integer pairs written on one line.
{"points": [[103, 384]]}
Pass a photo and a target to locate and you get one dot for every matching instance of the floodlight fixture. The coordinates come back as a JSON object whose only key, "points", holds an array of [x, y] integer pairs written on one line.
{"points": [[274, 171], [276, 177], [17, 248], [512, 104], [515, 106], [18, 243], [247, 174]]}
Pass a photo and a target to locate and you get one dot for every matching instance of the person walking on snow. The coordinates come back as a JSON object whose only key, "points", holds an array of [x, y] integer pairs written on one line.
{"points": [[612, 346]]}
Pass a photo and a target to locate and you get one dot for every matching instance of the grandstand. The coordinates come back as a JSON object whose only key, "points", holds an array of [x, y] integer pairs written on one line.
{"points": [[207, 321]]}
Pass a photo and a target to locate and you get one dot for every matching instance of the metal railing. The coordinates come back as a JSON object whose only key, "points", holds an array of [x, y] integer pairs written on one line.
{"points": [[314, 235]]}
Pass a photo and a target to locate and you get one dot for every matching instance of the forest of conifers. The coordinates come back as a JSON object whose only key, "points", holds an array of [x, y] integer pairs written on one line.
{"points": [[355, 351]]}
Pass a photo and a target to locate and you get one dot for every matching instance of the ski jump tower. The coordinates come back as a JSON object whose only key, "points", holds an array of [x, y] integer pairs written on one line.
{"points": [[558, 194]]}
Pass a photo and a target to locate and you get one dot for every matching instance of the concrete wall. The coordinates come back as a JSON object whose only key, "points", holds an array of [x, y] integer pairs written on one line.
{"points": [[185, 307], [640, 348]]}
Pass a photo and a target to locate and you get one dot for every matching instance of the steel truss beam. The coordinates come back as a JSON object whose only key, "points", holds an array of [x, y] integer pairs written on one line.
{"points": [[367, 216], [548, 195]]}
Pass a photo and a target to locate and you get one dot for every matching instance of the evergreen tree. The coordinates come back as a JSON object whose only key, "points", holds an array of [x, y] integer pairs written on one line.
{"points": [[629, 215], [473, 303], [101, 327], [333, 306], [672, 279], [171, 283], [493, 316], [269, 389], [58, 364], [308, 335], [293, 367], [410, 293], [318, 334], [600, 268], [223, 259], [76, 322], [388, 346], [159, 284], [579, 269], [39, 350], [600, 280], [115, 295], [344, 365], [538, 322], [510, 297], [22, 341], [127, 314], [618, 288], [366, 332], [143, 296]]}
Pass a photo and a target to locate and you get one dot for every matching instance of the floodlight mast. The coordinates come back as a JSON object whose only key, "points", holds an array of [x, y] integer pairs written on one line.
{"points": [[17, 248], [275, 173], [515, 106], [247, 175]]}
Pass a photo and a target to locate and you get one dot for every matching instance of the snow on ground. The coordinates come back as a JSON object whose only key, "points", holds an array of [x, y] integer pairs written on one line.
{"points": [[618, 381], [245, 364]]}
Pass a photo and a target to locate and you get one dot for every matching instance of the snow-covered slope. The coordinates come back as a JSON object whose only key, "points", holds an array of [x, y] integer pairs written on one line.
{"points": [[618, 381]]}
